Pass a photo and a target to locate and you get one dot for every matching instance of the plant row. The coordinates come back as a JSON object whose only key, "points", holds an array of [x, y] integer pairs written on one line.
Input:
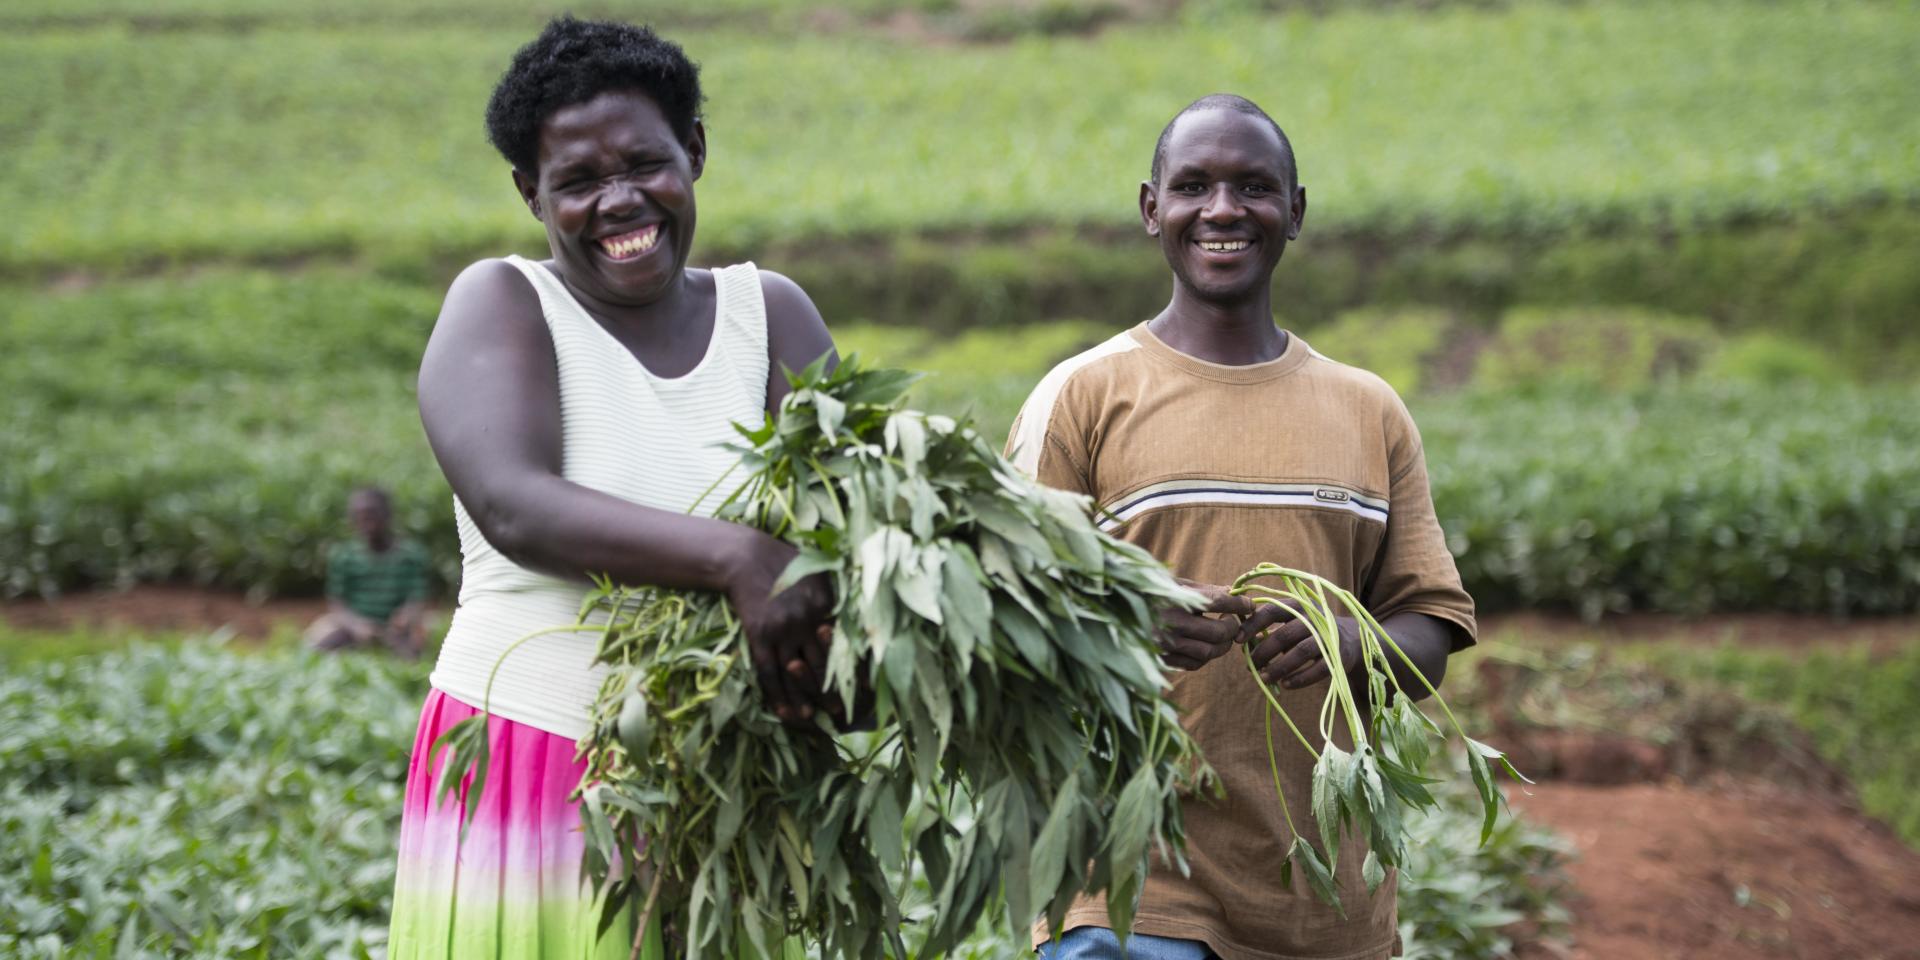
{"points": [[117, 769], [128, 148], [1684, 498]]}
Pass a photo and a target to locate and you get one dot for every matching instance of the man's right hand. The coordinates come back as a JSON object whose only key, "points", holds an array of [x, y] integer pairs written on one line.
{"points": [[1188, 639], [785, 634]]}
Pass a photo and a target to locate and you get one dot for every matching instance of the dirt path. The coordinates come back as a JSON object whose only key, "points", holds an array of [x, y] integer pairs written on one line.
{"points": [[162, 608], [1733, 872]]}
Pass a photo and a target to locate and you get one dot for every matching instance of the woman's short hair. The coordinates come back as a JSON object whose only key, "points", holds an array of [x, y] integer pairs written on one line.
{"points": [[573, 61]]}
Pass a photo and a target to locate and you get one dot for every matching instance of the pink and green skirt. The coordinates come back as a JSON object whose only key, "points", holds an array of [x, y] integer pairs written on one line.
{"points": [[513, 890]]}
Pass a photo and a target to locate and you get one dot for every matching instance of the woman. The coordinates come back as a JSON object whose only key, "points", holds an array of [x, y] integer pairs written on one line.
{"points": [[577, 406]]}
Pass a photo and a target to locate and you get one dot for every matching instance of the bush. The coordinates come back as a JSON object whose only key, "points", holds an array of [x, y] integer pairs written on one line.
{"points": [[1687, 498], [1399, 344], [1769, 358], [1606, 348]]}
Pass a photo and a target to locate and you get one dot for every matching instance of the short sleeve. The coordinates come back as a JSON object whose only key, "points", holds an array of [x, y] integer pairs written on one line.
{"points": [[1414, 572], [1045, 444]]}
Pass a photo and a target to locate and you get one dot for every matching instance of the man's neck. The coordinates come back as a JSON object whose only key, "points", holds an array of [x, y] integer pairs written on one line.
{"points": [[1235, 334], [377, 544]]}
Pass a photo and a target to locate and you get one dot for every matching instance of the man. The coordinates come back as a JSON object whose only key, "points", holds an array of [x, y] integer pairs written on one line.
{"points": [[376, 584], [1216, 441]]}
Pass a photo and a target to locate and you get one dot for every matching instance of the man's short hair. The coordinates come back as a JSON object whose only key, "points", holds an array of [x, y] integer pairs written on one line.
{"points": [[573, 61], [1238, 104], [372, 492]]}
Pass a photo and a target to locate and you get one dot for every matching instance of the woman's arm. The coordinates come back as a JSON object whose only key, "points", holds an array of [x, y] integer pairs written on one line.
{"points": [[796, 336], [490, 401]]}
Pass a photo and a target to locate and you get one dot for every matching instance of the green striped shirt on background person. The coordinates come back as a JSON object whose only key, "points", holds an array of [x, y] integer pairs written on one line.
{"points": [[372, 584]]}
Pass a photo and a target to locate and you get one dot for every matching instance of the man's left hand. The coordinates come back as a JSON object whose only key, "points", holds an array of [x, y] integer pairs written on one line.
{"points": [[1286, 654]]}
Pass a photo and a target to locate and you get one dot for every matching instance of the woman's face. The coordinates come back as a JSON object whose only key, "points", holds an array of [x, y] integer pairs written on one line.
{"points": [[615, 191]]}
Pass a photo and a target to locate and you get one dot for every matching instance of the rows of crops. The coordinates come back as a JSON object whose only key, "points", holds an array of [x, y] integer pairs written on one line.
{"points": [[277, 142], [193, 449], [118, 771]]}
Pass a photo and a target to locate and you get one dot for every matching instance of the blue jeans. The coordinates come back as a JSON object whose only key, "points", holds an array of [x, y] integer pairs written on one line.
{"points": [[1099, 943]]}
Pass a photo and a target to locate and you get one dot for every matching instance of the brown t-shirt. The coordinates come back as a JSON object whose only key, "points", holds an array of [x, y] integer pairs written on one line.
{"points": [[1301, 461]]}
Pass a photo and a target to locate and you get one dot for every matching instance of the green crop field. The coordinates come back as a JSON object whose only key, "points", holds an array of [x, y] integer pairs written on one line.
{"points": [[117, 770], [125, 148], [207, 453]]}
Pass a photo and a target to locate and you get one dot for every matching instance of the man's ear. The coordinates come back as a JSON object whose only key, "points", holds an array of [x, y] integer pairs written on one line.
{"points": [[697, 148], [1299, 213], [1149, 208], [529, 192]]}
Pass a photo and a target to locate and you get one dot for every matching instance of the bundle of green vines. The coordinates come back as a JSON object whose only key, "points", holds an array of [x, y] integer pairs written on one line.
{"points": [[1021, 751], [1372, 786]]}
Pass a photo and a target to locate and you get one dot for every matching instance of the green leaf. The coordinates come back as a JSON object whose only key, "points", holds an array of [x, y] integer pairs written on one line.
{"points": [[907, 434], [1329, 777], [1319, 877], [807, 563], [635, 727], [829, 411], [965, 601], [1026, 636], [1132, 826], [1017, 865], [917, 582], [1373, 873], [1050, 848]]}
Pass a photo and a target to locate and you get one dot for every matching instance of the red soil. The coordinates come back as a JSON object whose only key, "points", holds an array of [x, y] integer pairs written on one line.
{"points": [[170, 608], [1728, 872]]}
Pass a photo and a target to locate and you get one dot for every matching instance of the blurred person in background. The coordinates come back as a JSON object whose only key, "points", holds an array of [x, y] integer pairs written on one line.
{"points": [[1217, 441], [579, 407], [377, 584]]}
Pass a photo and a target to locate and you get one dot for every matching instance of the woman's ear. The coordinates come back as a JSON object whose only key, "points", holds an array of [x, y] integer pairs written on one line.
{"points": [[529, 192], [697, 148]]}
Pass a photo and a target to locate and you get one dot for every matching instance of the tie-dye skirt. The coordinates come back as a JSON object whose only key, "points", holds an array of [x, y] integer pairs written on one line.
{"points": [[513, 890]]}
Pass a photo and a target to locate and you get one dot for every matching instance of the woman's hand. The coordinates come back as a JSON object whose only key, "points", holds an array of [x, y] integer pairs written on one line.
{"points": [[788, 633]]}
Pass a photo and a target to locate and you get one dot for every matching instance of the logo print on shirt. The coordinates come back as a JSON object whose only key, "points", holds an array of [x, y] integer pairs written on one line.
{"points": [[1331, 496]]}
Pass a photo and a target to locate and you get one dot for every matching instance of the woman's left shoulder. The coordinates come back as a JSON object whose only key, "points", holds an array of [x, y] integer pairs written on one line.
{"points": [[796, 333], [788, 306], [782, 294]]}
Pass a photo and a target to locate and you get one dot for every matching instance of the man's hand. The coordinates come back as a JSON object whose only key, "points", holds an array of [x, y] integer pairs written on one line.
{"points": [[1283, 651], [1188, 640], [787, 632]]}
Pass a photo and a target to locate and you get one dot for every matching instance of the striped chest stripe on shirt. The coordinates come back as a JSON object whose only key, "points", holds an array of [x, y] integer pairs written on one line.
{"points": [[1325, 496]]}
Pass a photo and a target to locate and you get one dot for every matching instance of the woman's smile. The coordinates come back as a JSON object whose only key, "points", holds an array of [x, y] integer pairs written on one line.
{"points": [[632, 244]]}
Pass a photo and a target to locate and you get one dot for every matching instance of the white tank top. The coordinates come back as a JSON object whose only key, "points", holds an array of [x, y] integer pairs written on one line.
{"points": [[650, 440]]}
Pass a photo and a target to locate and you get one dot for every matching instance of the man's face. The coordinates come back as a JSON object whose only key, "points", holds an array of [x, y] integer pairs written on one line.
{"points": [[1225, 205], [370, 517]]}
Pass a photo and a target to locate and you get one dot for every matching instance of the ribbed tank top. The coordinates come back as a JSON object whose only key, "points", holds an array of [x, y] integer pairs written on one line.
{"points": [[647, 439]]}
